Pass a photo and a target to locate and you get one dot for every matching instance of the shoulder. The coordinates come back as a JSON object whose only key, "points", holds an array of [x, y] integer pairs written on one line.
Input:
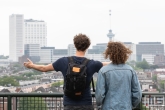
{"points": [[128, 67], [111, 66], [60, 64], [61, 60], [106, 68], [95, 63]]}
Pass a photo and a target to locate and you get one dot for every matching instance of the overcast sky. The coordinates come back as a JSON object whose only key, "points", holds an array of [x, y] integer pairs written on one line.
{"points": [[131, 20]]}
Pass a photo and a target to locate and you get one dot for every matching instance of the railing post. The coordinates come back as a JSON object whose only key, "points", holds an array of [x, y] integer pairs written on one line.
{"points": [[9, 104]]}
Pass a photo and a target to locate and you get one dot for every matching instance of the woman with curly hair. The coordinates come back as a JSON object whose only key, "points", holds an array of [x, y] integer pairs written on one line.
{"points": [[117, 85]]}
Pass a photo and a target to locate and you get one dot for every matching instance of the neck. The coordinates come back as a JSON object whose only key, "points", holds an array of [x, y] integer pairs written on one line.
{"points": [[80, 53]]}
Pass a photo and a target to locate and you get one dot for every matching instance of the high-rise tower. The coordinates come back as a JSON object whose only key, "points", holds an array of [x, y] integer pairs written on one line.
{"points": [[110, 35], [16, 33]]}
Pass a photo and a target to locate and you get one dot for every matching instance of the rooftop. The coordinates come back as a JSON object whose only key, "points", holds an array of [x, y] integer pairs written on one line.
{"points": [[31, 20]]}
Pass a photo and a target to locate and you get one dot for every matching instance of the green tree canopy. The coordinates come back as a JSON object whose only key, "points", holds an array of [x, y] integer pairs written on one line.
{"points": [[144, 64], [154, 78], [57, 84], [4, 81]]}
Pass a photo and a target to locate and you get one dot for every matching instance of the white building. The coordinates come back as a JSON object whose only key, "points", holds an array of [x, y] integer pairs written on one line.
{"points": [[32, 49], [16, 33], [160, 70], [71, 50], [35, 32], [46, 54], [132, 47], [149, 58], [23, 32]]}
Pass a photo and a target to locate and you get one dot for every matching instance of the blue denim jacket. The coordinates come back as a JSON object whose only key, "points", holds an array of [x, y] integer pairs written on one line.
{"points": [[117, 88]]}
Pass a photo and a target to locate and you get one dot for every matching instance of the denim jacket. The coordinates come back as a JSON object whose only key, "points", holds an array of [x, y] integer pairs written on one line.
{"points": [[117, 88]]}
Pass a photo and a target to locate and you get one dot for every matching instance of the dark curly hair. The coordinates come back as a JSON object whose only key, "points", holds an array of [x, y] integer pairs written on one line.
{"points": [[81, 42], [117, 52]]}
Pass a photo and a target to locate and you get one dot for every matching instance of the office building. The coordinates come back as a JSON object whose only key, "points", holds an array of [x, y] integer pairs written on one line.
{"points": [[25, 31], [46, 54], [32, 51], [152, 48], [16, 33], [35, 32]]}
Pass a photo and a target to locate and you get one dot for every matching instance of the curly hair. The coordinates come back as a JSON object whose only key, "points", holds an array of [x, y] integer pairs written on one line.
{"points": [[117, 52], [81, 42]]}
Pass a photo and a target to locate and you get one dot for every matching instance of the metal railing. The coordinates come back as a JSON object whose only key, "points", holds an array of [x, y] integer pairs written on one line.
{"points": [[54, 101], [33, 101]]}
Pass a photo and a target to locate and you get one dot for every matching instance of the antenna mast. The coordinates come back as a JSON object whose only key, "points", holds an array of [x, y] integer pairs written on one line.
{"points": [[110, 18], [110, 35]]}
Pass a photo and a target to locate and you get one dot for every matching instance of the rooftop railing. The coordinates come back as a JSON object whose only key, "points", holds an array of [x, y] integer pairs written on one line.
{"points": [[54, 101]]}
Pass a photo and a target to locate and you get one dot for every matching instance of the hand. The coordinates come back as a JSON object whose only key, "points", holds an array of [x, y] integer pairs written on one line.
{"points": [[28, 64]]}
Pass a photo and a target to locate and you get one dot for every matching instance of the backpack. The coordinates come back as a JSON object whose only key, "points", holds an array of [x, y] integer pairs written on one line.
{"points": [[75, 79]]}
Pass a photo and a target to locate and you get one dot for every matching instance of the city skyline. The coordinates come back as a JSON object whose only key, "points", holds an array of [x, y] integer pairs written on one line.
{"points": [[131, 21]]}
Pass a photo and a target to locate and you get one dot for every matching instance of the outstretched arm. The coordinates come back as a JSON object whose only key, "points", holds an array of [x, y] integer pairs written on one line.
{"points": [[42, 68]]}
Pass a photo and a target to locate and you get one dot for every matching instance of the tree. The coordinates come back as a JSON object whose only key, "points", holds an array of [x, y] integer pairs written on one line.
{"points": [[144, 108], [57, 84], [32, 103], [133, 65], [144, 64], [161, 85], [154, 78], [8, 80]]}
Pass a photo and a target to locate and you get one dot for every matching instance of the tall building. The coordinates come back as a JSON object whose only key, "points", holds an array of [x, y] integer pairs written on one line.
{"points": [[35, 32], [149, 48], [25, 31], [16, 33]]}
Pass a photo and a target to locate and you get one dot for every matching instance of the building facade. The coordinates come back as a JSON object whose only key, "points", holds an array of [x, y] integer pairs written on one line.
{"points": [[149, 58], [46, 54], [132, 47], [25, 31], [159, 60], [35, 32], [71, 50], [16, 33], [152, 48]]}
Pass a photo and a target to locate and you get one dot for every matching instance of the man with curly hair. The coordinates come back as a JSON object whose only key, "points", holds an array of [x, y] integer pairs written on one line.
{"points": [[81, 42], [117, 85]]}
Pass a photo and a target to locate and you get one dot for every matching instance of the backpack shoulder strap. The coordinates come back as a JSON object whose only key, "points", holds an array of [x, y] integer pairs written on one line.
{"points": [[85, 61], [70, 59]]}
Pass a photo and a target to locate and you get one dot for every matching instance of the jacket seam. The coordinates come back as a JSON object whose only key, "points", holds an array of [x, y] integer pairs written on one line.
{"points": [[116, 69]]}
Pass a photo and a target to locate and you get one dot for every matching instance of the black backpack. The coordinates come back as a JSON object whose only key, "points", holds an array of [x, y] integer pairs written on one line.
{"points": [[75, 79]]}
